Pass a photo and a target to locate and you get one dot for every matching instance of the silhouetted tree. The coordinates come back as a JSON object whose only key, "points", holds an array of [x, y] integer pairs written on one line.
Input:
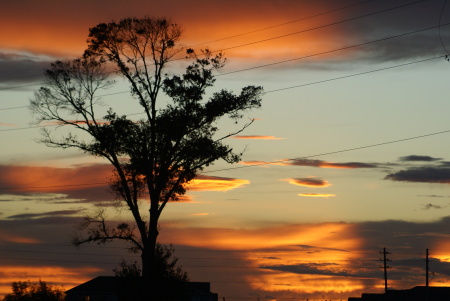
{"points": [[27, 291], [159, 153]]}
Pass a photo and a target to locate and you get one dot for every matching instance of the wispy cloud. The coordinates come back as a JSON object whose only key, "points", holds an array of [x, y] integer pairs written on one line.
{"points": [[58, 213], [432, 206], [325, 164]]}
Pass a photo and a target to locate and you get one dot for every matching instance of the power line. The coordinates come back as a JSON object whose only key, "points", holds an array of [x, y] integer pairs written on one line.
{"points": [[333, 50], [282, 24], [13, 108], [284, 61], [277, 90], [338, 151], [253, 165], [280, 36], [322, 26], [439, 28], [357, 74]]}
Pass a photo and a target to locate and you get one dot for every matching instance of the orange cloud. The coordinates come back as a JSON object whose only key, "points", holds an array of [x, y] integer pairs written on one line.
{"points": [[210, 183], [327, 243], [308, 182], [262, 163], [288, 236], [8, 124], [257, 137], [317, 195], [51, 179], [41, 32]]}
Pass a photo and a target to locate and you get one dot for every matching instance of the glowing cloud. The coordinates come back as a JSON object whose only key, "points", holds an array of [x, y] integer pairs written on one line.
{"points": [[257, 137], [209, 183], [317, 195], [309, 182]]}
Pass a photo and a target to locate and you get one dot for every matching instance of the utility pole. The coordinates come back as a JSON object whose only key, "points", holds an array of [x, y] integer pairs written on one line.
{"points": [[385, 266], [427, 268]]}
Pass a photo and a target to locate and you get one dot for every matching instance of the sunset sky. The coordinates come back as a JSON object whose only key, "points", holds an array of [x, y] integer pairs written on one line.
{"points": [[348, 154]]}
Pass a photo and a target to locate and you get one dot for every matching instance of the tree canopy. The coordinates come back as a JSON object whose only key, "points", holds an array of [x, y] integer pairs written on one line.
{"points": [[27, 291], [153, 157]]}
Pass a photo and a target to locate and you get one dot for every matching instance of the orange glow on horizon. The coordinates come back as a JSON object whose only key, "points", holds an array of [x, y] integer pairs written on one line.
{"points": [[297, 283], [64, 277]]}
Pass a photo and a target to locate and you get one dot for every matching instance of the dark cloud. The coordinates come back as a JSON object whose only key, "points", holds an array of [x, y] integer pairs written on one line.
{"points": [[58, 213], [427, 174], [325, 164], [22, 68], [404, 48], [53, 198], [325, 269], [419, 158]]}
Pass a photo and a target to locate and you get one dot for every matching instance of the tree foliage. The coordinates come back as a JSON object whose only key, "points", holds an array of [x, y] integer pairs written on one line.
{"points": [[27, 291], [166, 266], [171, 280], [155, 156]]}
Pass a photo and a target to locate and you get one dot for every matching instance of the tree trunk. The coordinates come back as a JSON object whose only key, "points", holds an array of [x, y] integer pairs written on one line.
{"points": [[149, 269]]}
